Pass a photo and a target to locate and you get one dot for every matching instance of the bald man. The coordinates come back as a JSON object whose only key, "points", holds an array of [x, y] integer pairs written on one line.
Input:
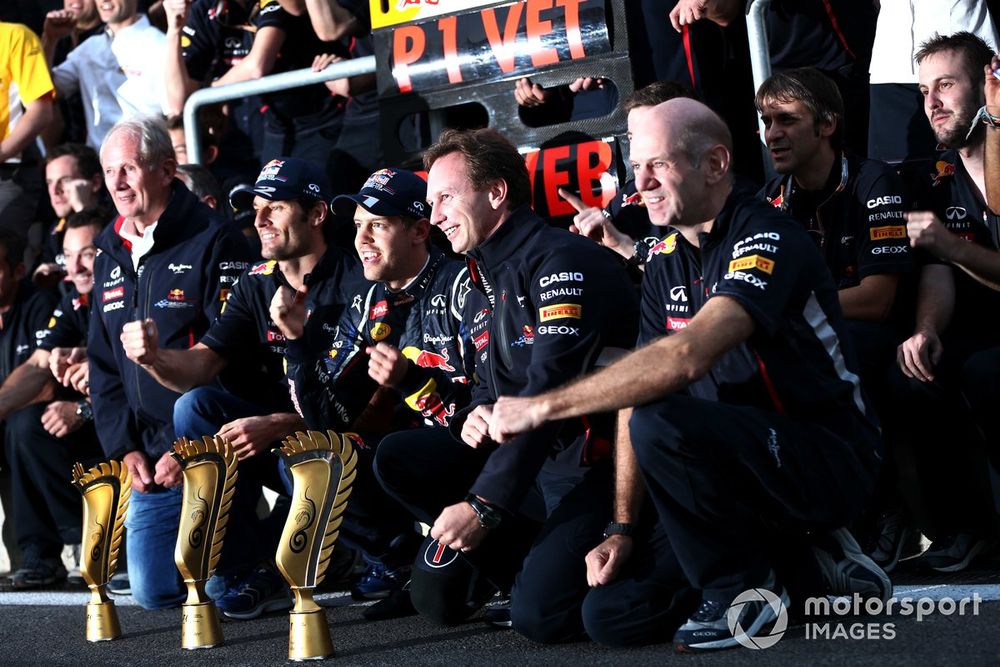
{"points": [[750, 424]]}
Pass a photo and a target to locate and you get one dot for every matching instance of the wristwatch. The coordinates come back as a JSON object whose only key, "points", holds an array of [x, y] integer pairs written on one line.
{"points": [[488, 515], [640, 252], [84, 410], [614, 528]]}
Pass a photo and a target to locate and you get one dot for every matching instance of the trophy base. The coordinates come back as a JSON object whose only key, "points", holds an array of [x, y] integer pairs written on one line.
{"points": [[200, 626], [308, 636], [102, 622]]}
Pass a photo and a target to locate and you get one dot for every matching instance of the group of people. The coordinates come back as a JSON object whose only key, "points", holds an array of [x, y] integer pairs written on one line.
{"points": [[704, 388]]}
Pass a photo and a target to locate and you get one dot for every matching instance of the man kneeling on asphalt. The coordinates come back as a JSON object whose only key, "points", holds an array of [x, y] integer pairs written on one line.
{"points": [[398, 361], [546, 303], [749, 420]]}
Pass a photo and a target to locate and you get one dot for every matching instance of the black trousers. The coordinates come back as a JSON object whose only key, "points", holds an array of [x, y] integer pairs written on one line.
{"points": [[728, 480], [944, 431], [47, 508], [427, 470]]}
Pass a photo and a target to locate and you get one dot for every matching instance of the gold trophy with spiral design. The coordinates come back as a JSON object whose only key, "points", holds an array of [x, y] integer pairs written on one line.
{"points": [[209, 467], [106, 489], [323, 470]]}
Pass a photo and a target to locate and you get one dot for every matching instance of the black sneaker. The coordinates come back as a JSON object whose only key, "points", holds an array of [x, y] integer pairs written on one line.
{"points": [[708, 628], [953, 553], [895, 534], [261, 591], [119, 584], [497, 612], [38, 572], [397, 605], [380, 581], [847, 570]]}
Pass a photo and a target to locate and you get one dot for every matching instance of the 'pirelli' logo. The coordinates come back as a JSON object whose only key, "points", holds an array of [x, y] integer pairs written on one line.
{"points": [[888, 232], [560, 311], [752, 262]]}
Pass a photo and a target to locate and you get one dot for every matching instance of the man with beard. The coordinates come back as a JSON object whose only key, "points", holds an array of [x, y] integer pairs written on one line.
{"points": [[958, 314], [291, 199]]}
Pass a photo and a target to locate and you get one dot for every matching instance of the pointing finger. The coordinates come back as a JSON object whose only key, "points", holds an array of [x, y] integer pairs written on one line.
{"points": [[573, 200]]}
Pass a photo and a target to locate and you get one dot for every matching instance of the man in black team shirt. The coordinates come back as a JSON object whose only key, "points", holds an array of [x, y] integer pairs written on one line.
{"points": [[749, 416], [947, 363], [853, 210], [44, 438], [291, 198]]}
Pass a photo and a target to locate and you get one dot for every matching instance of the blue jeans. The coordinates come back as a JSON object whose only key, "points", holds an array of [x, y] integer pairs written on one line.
{"points": [[203, 411], [151, 535]]}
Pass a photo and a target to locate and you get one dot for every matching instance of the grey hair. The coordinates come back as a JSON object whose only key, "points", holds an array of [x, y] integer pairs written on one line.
{"points": [[155, 145]]}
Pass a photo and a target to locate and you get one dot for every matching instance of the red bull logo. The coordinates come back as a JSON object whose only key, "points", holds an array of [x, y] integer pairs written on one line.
{"points": [[429, 359], [430, 405], [666, 246]]}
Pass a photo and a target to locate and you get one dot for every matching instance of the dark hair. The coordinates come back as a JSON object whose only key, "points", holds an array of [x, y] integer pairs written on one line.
{"points": [[816, 91], [655, 93], [202, 182], [489, 157], [14, 245], [206, 135], [87, 161], [99, 216], [975, 52]]}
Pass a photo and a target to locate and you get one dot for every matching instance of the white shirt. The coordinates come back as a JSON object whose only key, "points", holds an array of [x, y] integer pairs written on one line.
{"points": [[903, 25], [139, 245], [118, 76]]}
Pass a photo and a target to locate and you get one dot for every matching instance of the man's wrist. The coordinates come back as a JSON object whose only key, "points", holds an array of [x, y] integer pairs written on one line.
{"points": [[489, 515], [619, 528]]}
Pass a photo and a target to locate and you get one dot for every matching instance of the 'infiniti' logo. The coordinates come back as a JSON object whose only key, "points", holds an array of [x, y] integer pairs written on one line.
{"points": [[955, 213]]}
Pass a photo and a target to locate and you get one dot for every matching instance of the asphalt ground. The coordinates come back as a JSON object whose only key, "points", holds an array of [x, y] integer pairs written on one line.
{"points": [[47, 628]]}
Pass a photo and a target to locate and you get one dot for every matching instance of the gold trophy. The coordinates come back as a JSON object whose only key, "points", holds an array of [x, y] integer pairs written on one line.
{"points": [[106, 489], [209, 483], [323, 470]]}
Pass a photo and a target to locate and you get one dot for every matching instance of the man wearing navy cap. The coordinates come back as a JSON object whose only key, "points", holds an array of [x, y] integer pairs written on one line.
{"points": [[290, 198], [403, 334]]}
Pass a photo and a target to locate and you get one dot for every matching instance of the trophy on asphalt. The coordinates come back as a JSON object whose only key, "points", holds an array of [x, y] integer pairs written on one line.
{"points": [[106, 489], [322, 469], [209, 467]]}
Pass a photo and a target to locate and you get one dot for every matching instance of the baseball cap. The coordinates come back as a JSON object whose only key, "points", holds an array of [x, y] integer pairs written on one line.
{"points": [[387, 192], [282, 179]]}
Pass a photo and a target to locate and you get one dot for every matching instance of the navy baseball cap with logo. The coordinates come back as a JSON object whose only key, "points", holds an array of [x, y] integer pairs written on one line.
{"points": [[446, 587], [282, 179], [387, 193]]}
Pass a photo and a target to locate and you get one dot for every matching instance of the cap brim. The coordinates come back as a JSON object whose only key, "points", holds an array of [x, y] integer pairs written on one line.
{"points": [[345, 205]]}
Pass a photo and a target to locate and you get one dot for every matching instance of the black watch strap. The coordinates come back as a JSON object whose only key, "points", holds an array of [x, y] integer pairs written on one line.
{"points": [[640, 252], [615, 528], [488, 515]]}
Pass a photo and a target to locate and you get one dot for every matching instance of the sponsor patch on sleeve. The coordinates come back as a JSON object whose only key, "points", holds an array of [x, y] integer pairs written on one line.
{"points": [[560, 311], [887, 232], [752, 262]]}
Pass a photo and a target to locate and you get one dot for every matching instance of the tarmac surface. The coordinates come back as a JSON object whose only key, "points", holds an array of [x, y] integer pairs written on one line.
{"points": [[47, 628]]}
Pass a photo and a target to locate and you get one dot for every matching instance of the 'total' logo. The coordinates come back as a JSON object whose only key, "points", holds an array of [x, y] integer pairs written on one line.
{"points": [[437, 555]]}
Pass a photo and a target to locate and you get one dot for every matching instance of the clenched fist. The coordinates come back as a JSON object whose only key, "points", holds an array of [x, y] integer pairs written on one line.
{"points": [[141, 341]]}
